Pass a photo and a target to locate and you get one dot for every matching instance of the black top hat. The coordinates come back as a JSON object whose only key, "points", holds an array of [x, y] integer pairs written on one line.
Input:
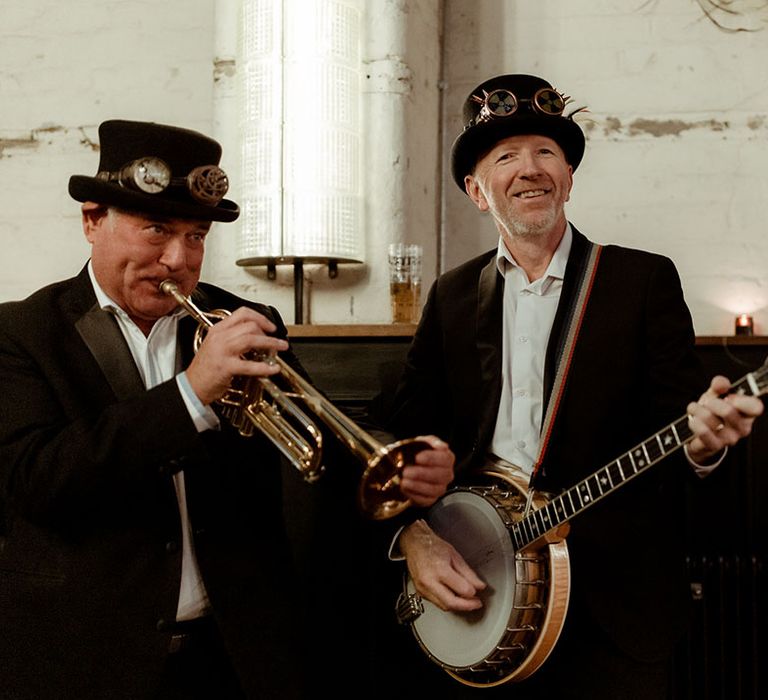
{"points": [[157, 169], [508, 105]]}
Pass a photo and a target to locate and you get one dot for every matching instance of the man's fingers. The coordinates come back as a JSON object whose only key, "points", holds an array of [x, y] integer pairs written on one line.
{"points": [[450, 590]]}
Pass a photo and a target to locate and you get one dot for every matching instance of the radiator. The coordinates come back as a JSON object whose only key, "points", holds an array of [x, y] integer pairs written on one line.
{"points": [[721, 658]]}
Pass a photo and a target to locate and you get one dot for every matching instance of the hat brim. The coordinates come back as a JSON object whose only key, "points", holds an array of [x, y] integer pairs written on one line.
{"points": [[91, 189], [476, 141]]}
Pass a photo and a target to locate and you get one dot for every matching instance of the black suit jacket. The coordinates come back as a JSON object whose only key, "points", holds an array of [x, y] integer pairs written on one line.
{"points": [[91, 559], [633, 371]]}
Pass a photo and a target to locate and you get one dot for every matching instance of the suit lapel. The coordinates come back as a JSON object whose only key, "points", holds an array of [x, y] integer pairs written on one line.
{"points": [[489, 333], [99, 330]]}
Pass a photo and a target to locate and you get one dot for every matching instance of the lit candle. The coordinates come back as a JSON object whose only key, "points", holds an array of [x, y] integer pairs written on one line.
{"points": [[744, 324]]}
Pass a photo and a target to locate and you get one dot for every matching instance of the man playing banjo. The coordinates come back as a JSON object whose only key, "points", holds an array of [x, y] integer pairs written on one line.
{"points": [[546, 358]]}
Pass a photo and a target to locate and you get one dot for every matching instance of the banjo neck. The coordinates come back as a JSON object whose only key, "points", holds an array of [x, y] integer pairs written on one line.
{"points": [[598, 485]]}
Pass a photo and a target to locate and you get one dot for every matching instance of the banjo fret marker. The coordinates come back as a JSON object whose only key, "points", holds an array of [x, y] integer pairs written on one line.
{"points": [[553, 513], [527, 526], [559, 507]]}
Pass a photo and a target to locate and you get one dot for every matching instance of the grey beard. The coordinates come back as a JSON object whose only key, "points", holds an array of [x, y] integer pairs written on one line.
{"points": [[528, 229]]}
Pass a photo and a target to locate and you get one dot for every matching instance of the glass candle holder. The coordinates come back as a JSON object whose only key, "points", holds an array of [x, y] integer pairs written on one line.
{"points": [[744, 325]]}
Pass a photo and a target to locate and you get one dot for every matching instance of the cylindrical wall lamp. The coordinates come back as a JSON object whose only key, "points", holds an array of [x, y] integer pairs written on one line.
{"points": [[300, 62]]}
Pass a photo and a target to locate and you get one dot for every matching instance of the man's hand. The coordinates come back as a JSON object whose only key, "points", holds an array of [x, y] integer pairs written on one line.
{"points": [[222, 352], [719, 420], [438, 571], [426, 480]]}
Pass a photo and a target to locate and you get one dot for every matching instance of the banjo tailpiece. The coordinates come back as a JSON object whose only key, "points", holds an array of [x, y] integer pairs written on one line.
{"points": [[408, 607]]}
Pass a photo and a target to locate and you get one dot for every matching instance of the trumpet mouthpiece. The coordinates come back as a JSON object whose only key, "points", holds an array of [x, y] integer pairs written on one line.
{"points": [[169, 287]]}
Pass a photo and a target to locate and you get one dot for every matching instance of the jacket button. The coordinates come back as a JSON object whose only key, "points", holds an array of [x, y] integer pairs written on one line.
{"points": [[171, 546], [163, 625]]}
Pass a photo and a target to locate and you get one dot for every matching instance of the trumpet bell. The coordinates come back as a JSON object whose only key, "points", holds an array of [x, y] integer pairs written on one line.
{"points": [[379, 494]]}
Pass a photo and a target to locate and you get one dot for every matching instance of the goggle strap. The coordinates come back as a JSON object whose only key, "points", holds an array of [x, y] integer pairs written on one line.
{"points": [[207, 184]]}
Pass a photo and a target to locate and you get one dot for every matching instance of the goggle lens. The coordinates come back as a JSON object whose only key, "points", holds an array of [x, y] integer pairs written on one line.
{"points": [[150, 175], [206, 184], [502, 103]]}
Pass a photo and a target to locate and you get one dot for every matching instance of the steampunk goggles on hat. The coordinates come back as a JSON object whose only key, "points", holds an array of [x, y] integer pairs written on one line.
{"points": [[502, 103], [206, 184]]}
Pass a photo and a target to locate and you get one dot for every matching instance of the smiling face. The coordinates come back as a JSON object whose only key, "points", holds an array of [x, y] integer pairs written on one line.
{"points": [[524, 182], [133, 253]]}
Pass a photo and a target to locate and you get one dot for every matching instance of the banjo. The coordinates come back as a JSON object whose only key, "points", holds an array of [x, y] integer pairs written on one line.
{"points": [[518, 548]]}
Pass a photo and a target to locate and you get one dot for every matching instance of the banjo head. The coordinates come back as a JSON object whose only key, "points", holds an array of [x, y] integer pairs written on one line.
{"points": [[473, 524]]}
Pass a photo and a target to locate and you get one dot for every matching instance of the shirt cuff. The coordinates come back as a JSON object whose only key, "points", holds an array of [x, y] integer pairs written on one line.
{"points": [[202, 416], [394, 553], [703, 470]]}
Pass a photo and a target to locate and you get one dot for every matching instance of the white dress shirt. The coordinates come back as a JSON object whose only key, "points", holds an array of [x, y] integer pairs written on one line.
{"points": [[528, 315], [156, 359]]}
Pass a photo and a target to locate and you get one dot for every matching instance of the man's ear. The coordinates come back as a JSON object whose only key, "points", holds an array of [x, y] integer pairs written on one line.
{"points": [[93, 215], [475, 193]]}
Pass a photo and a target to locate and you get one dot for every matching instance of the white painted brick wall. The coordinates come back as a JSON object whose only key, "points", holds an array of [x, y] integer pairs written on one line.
{"points": [[676, 155], [64, 68], [677, 132]]}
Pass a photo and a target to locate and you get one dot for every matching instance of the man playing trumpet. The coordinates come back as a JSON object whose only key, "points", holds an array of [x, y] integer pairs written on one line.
{"points": [[145, 554]]}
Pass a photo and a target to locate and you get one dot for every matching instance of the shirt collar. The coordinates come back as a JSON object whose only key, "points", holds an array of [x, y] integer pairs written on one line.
{"points": [[556, 268]]}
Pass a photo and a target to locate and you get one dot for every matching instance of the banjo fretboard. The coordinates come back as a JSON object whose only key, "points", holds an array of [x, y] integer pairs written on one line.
{"points": [[604, 481]]}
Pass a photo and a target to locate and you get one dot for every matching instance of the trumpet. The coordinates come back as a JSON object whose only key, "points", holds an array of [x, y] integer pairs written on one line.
{"points": [[281, 414]]}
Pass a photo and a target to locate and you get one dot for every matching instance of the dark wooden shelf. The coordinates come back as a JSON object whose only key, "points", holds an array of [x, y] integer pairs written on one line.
{"points": [[731, 340], [406, 330], [382, 330]]}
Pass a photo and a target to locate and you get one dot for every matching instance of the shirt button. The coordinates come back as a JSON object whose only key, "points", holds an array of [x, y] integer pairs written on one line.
{"points": [[521, 444]]}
